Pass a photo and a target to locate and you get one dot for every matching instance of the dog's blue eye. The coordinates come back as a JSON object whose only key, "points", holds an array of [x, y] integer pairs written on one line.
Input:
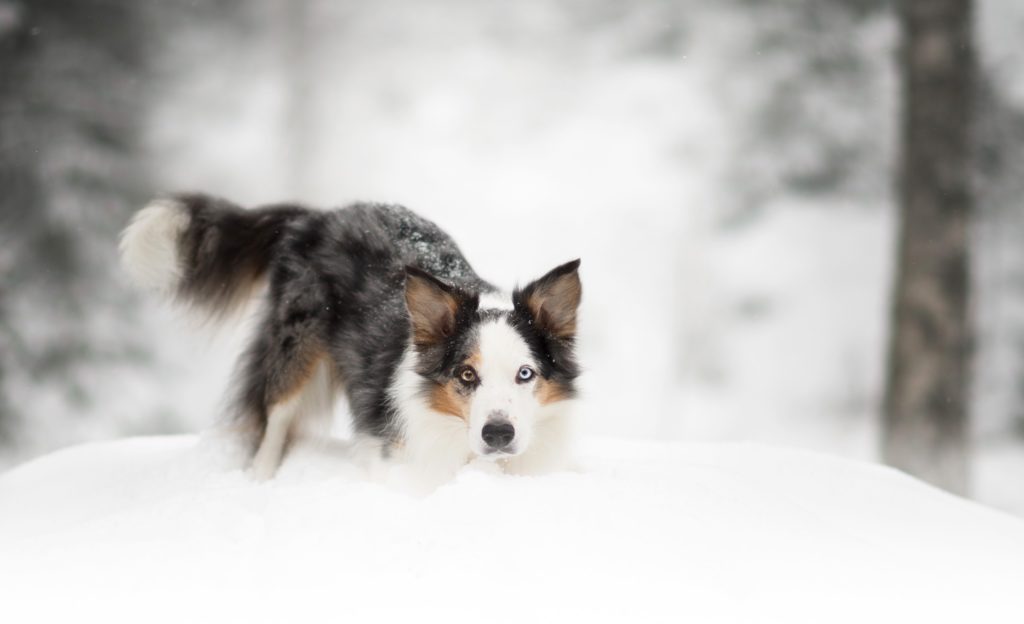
{"points": [[525, 373]]}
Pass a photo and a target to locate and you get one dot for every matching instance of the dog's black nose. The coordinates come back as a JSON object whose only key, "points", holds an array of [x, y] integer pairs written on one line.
{"points": [[498, 434]]}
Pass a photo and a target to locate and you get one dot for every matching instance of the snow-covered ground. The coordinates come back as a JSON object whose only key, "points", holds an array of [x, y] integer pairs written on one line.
{"points": [[169, 529]]}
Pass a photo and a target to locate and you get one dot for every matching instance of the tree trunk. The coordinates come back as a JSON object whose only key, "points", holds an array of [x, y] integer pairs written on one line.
{"points": [[926, 423]]}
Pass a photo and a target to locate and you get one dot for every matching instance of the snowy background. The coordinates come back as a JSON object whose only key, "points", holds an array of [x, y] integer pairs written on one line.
{"points": [[723, 168]]}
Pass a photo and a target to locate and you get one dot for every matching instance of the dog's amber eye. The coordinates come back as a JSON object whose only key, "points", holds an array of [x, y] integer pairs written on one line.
{"points": [[468, 375], [525, 374]]}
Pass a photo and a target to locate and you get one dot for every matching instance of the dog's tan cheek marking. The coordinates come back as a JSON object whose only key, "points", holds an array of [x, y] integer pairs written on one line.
{"points": [[447, 399], [451, 397], [549, 391]]}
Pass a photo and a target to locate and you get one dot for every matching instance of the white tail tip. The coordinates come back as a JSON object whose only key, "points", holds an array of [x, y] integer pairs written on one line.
{"points": [[149, 245]]}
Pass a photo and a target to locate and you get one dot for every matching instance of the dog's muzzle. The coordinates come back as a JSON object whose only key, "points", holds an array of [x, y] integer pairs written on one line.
{"points": [[498, 433]]}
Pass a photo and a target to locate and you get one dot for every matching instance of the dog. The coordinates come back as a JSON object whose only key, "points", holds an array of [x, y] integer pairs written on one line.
{"points": [[439, 367]]}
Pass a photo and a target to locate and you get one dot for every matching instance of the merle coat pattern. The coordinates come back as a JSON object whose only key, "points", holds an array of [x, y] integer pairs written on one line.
{"points": [[343, 291]]}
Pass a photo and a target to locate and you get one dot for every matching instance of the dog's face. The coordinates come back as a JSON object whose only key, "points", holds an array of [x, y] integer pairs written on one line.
{"points": [[496, 370]]}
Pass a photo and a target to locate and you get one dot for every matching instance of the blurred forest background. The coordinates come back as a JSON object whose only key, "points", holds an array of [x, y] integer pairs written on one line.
{"points": [[725, 168]]}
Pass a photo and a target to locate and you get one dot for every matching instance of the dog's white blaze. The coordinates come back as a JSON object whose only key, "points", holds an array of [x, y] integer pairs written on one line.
{"points": [[502, 353], [543, 432], [497, 300], [149, 245]]}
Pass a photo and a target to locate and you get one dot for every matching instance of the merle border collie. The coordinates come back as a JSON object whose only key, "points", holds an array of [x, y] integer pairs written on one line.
{"points": [[439, 367]]}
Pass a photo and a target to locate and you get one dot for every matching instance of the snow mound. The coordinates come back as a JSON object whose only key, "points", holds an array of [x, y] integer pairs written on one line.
{"points": [[169, 529]]}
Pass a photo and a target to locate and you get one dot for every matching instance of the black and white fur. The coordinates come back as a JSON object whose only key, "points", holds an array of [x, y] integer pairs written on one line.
{"points": [[372, 300]]}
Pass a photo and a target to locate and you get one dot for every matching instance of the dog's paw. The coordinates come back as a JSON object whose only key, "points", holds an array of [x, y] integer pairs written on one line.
{"points": [[262, 471]]}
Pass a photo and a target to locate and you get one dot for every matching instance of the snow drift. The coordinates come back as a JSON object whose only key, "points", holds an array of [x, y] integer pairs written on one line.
{"points": [[169, 529]]}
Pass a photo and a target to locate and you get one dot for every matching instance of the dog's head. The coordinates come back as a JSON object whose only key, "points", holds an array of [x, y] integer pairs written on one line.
{"points": [[498, 370]]}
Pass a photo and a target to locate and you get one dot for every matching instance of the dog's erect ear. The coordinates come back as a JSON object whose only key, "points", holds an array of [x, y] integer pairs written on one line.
{"points": [[433, 306], [553, 299]]}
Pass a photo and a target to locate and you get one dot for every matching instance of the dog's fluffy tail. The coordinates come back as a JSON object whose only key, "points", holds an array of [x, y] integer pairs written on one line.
{"points": [[203, 251]]}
